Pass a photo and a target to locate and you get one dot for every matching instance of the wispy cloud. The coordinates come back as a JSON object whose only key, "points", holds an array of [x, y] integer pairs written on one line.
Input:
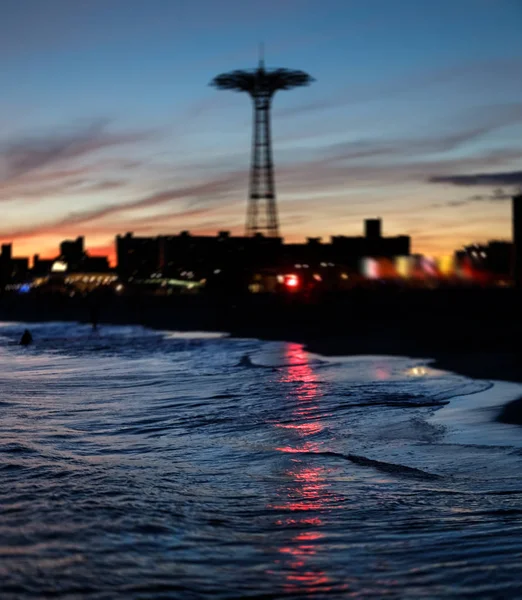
{"points": [[192, 195], [201, 198], [197, 200], [506, 178], [497, 195], [67, 163], [26, 155], [363, 149], [465, 74]]}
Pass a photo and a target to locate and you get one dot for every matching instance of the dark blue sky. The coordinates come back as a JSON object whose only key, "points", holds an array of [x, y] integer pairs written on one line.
{"points": [[107, 122]]}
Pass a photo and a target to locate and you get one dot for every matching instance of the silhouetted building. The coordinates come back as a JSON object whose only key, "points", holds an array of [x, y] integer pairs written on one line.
{"points": [[210, 257], [7, 252], [94, 264], [72, 252], [5, 264], [499, 256], [203, 255], [42, 266], [344, 251], [349, 250], [310, 254], [12, 269], [72, 259], [19, 269], [372, 229], [137, 256], [517, 240], [192, 256], [494, 258]]}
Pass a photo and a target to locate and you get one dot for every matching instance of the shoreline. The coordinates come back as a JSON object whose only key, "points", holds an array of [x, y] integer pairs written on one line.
{"points": [[478, 335], [500, 366], [469, 362], [496, 365]]}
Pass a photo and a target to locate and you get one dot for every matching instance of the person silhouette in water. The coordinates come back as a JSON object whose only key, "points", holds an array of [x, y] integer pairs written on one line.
{"points": [[245, 361], [26, 338], [94, 318]]}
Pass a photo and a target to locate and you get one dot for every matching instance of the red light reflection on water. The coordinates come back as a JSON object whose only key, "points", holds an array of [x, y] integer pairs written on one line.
{"points": [[298, 362], [306, 428], [300, 372], [312, 582], [306, 495], [307, 489], [299, 449], [381, 373], [302, 521], [309, 536]]}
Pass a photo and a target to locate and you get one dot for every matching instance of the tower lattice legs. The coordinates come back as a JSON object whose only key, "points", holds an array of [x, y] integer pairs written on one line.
{"points": [[262, 210]]}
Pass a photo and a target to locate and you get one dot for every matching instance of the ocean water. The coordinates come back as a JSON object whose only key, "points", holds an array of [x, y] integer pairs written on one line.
{"points": [[137, 464]]}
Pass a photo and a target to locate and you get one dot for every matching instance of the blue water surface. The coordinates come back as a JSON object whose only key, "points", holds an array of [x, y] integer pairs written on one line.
{"points": [[138, 464]]}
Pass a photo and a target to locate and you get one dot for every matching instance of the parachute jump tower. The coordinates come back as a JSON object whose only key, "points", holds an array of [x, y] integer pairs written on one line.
{"points": [[261, 84]]}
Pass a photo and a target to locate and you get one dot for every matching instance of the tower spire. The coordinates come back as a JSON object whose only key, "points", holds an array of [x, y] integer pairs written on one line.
{"points": [[261, 55]]}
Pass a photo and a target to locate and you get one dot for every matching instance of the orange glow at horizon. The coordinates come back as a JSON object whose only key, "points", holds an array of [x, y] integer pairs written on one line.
{"points": [[47, 250], [99, 243]]}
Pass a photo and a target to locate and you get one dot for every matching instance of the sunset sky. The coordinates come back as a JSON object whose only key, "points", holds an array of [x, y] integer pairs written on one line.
{"points": [[108, 124]]}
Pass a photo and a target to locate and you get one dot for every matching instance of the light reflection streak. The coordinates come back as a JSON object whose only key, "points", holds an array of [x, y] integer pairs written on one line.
{"points": [[418, 371], [306, 428], [306, 496], [382, 373]]}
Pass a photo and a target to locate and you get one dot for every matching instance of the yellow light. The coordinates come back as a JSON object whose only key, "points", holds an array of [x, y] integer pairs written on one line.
{"points": [[445, 264], [59, 267], [344, 276], [403, 266], [418, 371]]}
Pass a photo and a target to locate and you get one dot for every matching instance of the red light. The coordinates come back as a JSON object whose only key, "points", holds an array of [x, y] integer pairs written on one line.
{"points": [[291, 281]]}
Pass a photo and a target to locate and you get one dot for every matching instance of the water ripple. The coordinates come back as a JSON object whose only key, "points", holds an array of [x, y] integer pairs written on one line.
{"points": [[137, 464]]}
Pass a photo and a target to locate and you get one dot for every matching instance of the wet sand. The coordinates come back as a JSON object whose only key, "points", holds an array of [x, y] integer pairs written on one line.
{"points": [[498, 365], [494, 365]]}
